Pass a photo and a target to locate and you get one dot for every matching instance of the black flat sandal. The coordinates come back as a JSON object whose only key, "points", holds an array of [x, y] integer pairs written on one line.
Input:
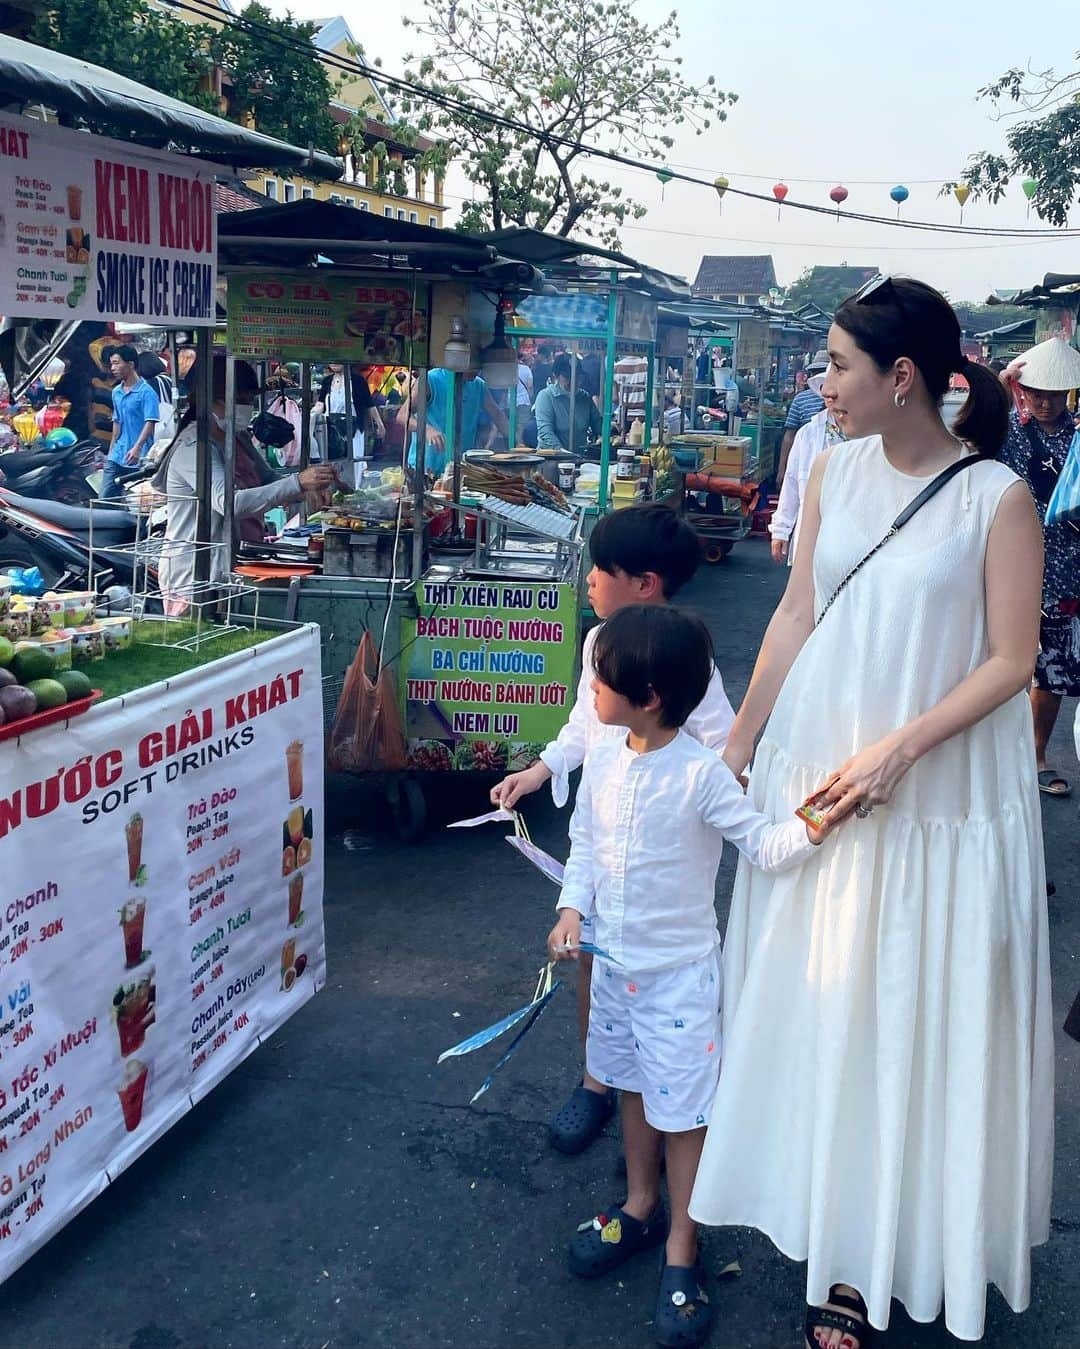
{"points": [[824, 1318]]}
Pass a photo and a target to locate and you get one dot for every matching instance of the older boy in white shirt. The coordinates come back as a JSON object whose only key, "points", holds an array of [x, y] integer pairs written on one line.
{"points": [[640, 555], [653, 810]]}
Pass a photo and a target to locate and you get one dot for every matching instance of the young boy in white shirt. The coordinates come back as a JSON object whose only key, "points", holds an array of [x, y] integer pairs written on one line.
{"points": [[640, 555], [652, 813]]}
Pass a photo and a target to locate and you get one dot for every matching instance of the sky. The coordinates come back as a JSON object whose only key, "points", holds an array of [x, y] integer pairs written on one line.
{"points": [[867, 95]]}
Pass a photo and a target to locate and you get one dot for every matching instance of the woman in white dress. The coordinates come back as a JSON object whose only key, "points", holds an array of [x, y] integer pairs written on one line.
{"points": [[885, 1107]]}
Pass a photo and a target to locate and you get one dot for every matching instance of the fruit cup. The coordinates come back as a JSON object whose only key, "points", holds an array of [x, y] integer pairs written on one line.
{"points": [[116, 633], [7, 585], [58, 645], [87, 643], [79, 607]]}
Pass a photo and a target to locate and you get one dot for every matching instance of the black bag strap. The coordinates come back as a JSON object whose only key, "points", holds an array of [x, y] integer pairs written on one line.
{"points": [[911, 509]]}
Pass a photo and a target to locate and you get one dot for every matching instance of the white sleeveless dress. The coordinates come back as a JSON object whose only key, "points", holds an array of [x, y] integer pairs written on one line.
{"points": [[885, 1109]]}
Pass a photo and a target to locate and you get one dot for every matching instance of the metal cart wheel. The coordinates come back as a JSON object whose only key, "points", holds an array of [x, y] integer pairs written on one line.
{"points": [[408, 807], [717, 552]]}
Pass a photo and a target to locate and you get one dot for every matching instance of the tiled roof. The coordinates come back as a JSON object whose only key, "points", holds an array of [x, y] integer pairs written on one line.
{"points": [[233, 195], [752, 275]]}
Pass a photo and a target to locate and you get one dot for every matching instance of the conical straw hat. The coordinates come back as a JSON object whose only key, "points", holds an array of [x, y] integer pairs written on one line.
{"points": [[1053, 364]]}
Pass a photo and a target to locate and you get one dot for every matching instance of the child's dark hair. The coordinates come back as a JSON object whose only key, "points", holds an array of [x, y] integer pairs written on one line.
{"points": [[653, 538], [903, 317], [649, 648]]}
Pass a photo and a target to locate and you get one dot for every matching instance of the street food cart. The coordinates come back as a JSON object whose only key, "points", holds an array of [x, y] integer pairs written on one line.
{"points": [[601, 307], [161, 805], [469, 591]]}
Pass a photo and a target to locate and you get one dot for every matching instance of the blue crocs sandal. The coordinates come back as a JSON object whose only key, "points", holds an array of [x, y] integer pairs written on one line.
{"points": [[607, 1241], [683, 1316], [581, 1120]]}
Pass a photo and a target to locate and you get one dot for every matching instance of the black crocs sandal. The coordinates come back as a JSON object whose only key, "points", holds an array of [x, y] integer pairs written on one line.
{"points": [[581, 1120], [683, 1315], [823, 1318], [607, 1241]]}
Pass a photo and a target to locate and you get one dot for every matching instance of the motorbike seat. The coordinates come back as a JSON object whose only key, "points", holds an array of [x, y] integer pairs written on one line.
{"points": [[110, 526]]}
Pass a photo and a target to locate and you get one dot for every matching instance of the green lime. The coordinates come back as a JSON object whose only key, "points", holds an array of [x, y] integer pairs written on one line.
{"points": [[75, 684], [6, 651], [32, 662], [48, 692]]}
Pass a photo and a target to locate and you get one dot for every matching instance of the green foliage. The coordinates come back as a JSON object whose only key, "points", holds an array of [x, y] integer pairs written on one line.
{"points": [[275, 79], [1046, 148], [153, 48], [580, 70], [820, 286]]}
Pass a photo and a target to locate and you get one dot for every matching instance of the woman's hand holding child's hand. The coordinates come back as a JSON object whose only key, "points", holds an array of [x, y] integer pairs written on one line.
{"points": [[868, 779], [565, 934]]}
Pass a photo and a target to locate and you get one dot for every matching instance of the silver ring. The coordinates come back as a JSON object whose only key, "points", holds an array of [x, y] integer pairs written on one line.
{"points": [[863, 812]]}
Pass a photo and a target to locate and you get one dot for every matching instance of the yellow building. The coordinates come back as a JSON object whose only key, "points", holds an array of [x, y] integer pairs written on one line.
{"points": [[412, 195]]}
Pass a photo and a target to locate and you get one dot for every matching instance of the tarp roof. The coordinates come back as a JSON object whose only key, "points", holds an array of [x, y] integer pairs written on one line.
{"points": [[545, 249], [31, 74], [1055, 286], [300, 233]]}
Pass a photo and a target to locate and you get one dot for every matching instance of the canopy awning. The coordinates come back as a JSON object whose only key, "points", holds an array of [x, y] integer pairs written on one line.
{"points": [[546, 249], [309, 233], [30, 74], [1055, 288]]}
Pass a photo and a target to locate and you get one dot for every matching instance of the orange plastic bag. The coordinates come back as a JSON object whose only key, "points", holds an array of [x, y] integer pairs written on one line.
{"points": [[367, 736]]}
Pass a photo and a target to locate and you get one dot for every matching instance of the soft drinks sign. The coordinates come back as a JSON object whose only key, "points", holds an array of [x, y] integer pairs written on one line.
{"points": [[92, 228]]}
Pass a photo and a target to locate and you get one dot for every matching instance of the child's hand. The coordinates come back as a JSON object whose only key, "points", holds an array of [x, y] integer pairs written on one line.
{"points": [[517, 785], [565, 933]]}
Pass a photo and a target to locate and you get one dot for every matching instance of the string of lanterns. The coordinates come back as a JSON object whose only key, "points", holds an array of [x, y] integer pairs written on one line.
{"points": [[839, 194]]}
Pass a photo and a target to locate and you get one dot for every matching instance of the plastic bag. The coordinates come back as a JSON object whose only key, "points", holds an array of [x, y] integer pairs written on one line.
{"points": [[1064, 505], [367, 735]]}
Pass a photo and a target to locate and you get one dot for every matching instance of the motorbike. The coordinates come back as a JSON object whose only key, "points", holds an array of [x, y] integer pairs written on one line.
{"points": [[56, 474], [55, 537]]}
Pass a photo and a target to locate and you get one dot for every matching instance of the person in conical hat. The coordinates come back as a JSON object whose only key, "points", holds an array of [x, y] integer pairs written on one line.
{"points": [[1040, 433]]}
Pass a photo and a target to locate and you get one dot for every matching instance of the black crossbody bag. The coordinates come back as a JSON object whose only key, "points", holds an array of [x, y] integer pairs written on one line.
{"points": [[911, 509]]}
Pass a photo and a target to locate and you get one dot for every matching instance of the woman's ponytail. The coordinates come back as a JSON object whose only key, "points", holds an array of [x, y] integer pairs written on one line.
{"points": [[983, 421]]}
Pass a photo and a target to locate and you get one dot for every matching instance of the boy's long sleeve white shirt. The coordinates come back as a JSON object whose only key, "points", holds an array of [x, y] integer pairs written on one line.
{"points": [[710, 724], [646, 837]]}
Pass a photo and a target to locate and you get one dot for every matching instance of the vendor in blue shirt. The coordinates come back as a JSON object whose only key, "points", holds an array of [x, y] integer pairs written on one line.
{"points": [[475, 399], [135, 413]]}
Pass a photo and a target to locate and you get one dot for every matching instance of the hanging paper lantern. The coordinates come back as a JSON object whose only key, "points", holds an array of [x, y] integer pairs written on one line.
{"points": [[665, 176], [899, 194], [839, 194], [961, 192], [780, 191], [721, 185], [1030, 186]]}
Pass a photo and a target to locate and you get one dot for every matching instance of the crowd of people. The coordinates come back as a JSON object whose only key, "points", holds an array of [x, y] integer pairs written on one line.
{"points": [[866, 1073]]}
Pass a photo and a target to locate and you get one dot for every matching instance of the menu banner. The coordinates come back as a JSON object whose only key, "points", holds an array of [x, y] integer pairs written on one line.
{"points": [[92, 228], [489, 670], [370, 319], [160, 915]]}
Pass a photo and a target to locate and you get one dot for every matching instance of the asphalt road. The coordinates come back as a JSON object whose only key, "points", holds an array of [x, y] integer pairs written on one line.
{"points": [[338, 1190]]}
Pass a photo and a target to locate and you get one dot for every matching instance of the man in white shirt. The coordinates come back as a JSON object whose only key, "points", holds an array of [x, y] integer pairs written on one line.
{"points": [[819, 434], [652, 813], [641, 555]]}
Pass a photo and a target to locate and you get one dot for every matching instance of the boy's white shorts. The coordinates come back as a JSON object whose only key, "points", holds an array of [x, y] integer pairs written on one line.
{"points": [[659, 1034]]}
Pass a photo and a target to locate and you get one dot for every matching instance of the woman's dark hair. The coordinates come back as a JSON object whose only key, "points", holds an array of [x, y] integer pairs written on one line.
{"points": [[149, 366], [902, 317], [653, 538], [650, 648], [560, 367]]}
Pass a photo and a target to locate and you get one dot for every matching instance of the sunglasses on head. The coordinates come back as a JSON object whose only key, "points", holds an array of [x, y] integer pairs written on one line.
{"points": [[879, 289]]}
